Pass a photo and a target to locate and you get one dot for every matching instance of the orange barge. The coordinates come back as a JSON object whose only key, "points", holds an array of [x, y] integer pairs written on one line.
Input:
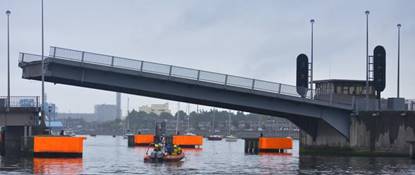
{"points": [[58, 146], [140, 140], [188, 141], [268, 145]]}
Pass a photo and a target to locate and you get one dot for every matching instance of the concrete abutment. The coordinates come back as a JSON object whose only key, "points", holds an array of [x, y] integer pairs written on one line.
{"points": [[386, 133]]}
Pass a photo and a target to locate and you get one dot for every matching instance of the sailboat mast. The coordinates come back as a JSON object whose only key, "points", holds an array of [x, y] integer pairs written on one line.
{"points": [[128, 113], [177, 117], [188, 117], [213, 121], [229, 123]]}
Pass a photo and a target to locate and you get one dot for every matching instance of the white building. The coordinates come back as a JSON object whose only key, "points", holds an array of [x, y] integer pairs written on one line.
{"points": [[155, 108]]}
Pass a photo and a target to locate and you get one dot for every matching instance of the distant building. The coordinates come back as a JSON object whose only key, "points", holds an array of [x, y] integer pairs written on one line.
{"points": [[106, 112], [88, 117], [102, 113], [155, 108]]}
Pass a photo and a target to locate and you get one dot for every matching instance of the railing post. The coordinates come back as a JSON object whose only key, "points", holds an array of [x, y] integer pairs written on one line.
{"points": [[253, 84], [22, 57], [170, 68], [82, 56], [353, 102], [198, 75], [54, 52], [141, 66], [112, 61], [331, 98], [226, 79], [279, 88]]}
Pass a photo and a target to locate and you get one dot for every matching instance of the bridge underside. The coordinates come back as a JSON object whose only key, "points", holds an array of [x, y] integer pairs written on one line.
{"points": [[304, 113]]}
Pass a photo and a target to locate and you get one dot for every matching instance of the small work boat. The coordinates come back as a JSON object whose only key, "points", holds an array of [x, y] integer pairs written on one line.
{"points": [[165, 158]]}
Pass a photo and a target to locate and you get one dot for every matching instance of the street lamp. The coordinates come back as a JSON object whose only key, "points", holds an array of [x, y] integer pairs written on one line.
{"points": [[312, 53], [367, 59], [399, 50], [43, 124], [8, 12]]}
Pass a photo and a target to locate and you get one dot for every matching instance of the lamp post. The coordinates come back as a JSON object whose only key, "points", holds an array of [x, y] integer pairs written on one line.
{"points": [[43, 124], [312, 53], [8, 12], [367, 59], [399, 50]]}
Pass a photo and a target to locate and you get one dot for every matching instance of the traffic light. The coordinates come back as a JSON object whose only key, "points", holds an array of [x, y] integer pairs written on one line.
{"points": [[302, 75], [379, 68]]}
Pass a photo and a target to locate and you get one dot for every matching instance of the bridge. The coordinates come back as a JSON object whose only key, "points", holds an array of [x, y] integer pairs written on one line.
{"points": [[112, 73]]}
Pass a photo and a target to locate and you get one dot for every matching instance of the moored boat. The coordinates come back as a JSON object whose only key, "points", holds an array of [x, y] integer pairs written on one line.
{"points": [[214, 137], [231, 138]]}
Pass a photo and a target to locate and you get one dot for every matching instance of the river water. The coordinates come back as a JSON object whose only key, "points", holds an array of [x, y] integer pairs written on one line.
{"points": [[108, 155]]}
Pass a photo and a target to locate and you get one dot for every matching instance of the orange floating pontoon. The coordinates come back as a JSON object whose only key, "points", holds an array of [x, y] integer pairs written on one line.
{"points": [[188, 141], [58, 146], [143, 139], [270, 144]]}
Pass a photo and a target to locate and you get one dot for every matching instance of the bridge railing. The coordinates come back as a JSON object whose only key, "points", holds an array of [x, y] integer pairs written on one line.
{"points": [[172, 71], [20, 102], [175, 71]]}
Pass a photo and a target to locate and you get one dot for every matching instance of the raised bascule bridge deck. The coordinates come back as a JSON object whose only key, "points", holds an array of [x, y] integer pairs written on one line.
{"points": [[112, 73]]}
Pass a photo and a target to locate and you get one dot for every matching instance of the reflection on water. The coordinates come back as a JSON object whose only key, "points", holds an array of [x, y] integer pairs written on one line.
{"points": [[57, 165], [108, 155]]}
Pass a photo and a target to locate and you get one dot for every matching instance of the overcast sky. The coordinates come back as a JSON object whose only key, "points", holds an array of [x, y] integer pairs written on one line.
{"points": [[256, 39]]}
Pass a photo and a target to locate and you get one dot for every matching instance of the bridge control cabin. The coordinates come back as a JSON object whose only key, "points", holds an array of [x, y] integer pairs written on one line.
{"points": [[343, 91]]}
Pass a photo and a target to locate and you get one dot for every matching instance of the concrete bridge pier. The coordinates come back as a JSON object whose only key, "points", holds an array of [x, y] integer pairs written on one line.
{"points": [[12, 139], [372, 133], [15, 125]]}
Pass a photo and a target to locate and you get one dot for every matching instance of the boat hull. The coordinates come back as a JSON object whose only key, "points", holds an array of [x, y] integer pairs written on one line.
{"points": [[167, 158]]}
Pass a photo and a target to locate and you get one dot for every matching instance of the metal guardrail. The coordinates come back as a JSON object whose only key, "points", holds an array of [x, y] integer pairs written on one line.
{"points": [[20, 102], [172, 71]]}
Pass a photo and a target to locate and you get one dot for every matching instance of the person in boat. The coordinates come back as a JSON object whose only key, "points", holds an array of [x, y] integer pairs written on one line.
{"points": [[174, 153], [169, 149], [179, 150], [176, 150], [157, 152]]}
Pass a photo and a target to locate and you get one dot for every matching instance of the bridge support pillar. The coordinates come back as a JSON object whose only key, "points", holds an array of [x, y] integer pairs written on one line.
{"points": [[388, 133], [11, 140]]}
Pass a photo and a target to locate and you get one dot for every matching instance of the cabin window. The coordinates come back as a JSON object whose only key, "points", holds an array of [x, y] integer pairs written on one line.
{"points": [[351, 90], [345, 90], [358, 90], [338, 90]]}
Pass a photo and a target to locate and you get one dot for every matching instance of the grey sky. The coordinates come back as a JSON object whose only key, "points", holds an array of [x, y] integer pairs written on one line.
{"points": [[257, 39]]}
